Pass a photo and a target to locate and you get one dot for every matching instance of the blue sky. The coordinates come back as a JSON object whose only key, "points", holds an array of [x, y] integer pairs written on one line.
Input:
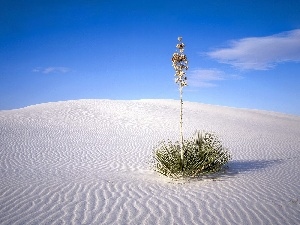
{"points": [[241, 53]]}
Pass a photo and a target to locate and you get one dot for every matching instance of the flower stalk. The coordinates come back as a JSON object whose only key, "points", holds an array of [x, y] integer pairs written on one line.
{"points": [[180, 65]]}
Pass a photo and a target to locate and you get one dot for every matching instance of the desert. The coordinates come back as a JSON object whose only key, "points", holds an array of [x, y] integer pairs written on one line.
{"points": [[88, 162]]}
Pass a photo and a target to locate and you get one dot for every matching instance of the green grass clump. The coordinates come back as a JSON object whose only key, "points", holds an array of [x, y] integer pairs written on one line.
{"points": [[203, 154]]}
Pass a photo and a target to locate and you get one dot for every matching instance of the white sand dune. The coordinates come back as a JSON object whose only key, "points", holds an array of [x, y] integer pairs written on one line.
{"points": [[87, 162]]}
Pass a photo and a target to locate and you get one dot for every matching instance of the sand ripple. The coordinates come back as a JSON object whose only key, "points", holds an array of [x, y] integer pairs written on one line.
{"points": [[87, 162]]}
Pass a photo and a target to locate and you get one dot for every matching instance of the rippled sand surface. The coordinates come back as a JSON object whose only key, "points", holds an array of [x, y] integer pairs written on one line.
{"points": [[87, 162]]}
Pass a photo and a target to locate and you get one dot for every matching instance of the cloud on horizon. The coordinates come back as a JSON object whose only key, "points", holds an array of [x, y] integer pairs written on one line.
{"points": [[260, 53], [48, 70], [208, 77]]}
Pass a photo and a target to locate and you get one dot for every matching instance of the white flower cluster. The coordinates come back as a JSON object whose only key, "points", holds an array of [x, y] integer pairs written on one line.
{"points": [[180, 64]]}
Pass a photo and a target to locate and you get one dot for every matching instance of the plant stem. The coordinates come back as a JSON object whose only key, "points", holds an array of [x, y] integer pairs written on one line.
{"points": [[181, 132]]}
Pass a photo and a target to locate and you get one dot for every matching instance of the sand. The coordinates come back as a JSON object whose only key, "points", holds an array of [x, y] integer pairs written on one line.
{"points": [[88, 162]]}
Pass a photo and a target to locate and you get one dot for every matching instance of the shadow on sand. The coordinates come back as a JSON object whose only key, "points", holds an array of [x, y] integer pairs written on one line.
{"points": [[243, 166], [236, 167]]}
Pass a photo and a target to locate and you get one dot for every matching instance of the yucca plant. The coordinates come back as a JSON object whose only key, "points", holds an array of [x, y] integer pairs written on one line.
{"points": [[198, 155], [203, 154]]}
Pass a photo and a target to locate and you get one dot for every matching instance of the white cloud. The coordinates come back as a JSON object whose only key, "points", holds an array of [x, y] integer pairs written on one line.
{"points": [[261, 53], [48, 70], [36, 70], [208, 77]]}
